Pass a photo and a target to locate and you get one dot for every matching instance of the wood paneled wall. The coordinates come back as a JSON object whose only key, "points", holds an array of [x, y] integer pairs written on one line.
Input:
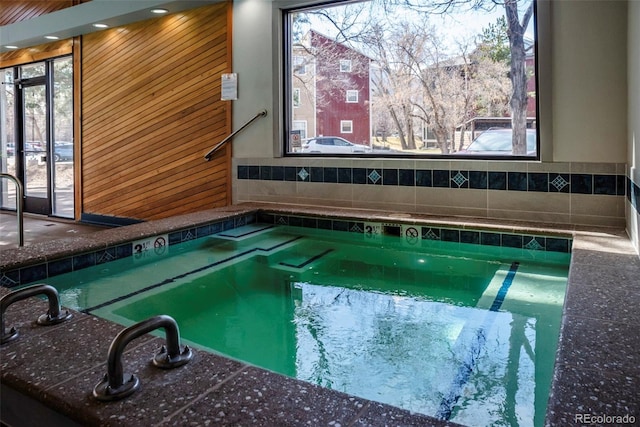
{"points": [[21, 10], [36, 53], [12, 11], [151, 109]]}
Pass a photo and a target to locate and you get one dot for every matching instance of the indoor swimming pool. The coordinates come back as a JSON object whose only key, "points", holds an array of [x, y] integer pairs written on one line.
{"points": [[461, 332]]}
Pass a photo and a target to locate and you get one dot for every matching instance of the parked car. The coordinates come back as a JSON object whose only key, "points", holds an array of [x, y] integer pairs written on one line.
{"points": [[33, 147], [63, 151], [332, 145], [498, 142], [33, 150]]}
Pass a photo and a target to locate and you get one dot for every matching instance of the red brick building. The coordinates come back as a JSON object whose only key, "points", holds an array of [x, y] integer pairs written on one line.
{"points": [[331, 90]]}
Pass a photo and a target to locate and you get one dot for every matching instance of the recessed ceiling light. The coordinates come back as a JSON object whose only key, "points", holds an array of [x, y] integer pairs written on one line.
{"points": [[51, 37], [98, 25], [159, 11]]}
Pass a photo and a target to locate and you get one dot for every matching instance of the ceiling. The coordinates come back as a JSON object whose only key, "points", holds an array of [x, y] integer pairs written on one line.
{"points": [[78, 20]]}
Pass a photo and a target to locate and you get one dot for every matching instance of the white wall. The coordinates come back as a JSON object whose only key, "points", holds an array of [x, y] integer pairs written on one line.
{"points": [[633, 217], [253, 60], [589, 84]]}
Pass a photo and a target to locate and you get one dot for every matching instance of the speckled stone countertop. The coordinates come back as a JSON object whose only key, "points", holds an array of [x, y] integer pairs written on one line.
{"points": [[597, 370]]}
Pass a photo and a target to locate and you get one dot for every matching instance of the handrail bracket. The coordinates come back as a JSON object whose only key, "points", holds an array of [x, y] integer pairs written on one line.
{"points": [[117, 385], [53, 315]]}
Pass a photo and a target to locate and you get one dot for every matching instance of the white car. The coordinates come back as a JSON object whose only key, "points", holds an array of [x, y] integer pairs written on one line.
{"points": [[332, 145], [498, 142]]}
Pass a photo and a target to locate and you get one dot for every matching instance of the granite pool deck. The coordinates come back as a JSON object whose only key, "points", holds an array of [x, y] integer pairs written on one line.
{"points": [[38, 228], [48, 373]]}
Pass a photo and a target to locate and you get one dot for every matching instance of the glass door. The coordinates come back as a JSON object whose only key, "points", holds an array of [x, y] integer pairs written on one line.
{"points": [[35, 144], [62, 150], [8, 148], [37, 136]]}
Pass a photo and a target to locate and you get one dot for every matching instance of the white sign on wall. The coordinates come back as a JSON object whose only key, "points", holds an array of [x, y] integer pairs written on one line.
{"points": [[229, 86]]}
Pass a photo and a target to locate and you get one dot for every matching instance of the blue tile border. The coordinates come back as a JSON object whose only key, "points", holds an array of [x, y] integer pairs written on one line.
{"points": [[446, 234], [633, 195], [545, 182], [79, 261]]}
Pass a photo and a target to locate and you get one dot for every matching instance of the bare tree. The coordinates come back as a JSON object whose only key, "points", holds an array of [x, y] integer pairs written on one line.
{"points": [[419, 79], [486, 89], [518, 73], [516, 28], [444, 82], [393, 82]]}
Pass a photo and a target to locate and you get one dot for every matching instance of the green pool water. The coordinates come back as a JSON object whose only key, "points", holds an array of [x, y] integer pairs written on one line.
{"points": [[461, 332]]}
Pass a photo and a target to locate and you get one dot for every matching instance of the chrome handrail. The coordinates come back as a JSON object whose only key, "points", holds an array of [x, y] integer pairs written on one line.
{"points": [[19, 205], [207, 156]]}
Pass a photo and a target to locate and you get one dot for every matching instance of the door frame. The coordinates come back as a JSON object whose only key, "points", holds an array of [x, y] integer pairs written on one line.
{"points": [[34, 204], [72, 48]]}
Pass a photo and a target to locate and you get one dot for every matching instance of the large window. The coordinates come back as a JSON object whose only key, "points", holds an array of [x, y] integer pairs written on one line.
{"points": [[424, 79]]}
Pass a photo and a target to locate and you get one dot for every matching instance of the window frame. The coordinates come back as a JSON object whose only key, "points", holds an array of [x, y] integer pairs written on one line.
{"points": [[297, 101], [348, 67], [342, 126], [352, 92], [303, 129], [300, 66], [541, 94]]}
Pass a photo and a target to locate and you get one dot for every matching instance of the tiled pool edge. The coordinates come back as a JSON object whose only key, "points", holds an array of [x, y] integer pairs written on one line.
{"points": [[94, 252], [589, 377]]}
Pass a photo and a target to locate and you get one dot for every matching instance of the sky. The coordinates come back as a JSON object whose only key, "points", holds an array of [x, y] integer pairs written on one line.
{"points": [[473, 23], [458, 26]]}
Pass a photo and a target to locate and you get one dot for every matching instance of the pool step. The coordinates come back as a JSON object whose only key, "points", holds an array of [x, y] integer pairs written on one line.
{"points": [[245, 232], [258, 238], [297, 257]]}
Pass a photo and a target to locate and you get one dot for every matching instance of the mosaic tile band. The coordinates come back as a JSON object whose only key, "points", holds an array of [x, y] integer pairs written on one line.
{"points": [[551, 182], [633, 194], [445, 234]]}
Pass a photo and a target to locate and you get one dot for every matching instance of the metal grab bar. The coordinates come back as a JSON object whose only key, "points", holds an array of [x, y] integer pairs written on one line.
{"points": [[207, 156], [19, 202], [52, 317], [113, 386]]}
